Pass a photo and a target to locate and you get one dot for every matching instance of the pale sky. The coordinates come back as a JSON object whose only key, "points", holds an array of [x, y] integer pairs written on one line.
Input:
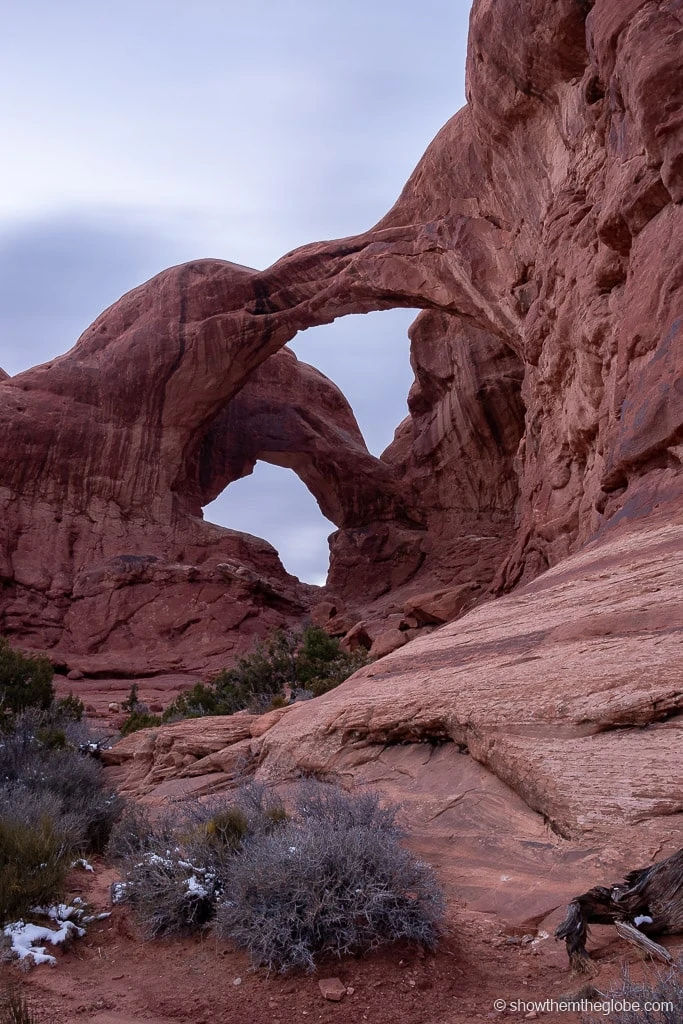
{"points": [[142, 134]]}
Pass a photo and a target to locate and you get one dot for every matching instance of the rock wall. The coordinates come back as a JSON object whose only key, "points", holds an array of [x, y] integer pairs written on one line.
{"points": [[540, 233]]}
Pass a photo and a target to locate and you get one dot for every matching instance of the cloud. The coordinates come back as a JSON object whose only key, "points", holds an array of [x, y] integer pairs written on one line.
{"points": [[57, 275]]}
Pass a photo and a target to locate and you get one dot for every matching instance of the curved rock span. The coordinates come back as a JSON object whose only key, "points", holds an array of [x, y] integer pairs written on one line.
{"points": [[540, 234]]}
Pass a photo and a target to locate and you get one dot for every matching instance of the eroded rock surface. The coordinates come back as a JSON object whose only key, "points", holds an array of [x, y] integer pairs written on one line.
{"points": [[569, 690], [535, 743], [541, 233]]}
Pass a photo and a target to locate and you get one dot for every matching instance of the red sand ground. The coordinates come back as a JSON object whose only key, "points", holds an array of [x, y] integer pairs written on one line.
{"points": [[113, 977]]}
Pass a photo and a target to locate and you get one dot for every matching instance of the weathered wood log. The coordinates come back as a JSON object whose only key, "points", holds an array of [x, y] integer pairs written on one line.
{"points": [[637, 938], [648, 902]]}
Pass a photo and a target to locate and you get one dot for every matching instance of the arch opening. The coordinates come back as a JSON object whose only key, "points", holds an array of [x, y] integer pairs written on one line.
{"points": [[273, 503], [287, 459], [367, 355]]}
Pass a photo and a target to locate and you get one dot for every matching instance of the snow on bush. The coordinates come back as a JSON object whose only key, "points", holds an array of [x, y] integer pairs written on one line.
{"points": [[331, 877]]}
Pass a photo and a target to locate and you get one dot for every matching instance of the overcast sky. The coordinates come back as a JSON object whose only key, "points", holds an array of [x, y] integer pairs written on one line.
{"points": [[140, 134]]}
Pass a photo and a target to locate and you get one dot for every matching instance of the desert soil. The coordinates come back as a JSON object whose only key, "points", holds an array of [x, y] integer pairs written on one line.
{"points": [[113, 976]]}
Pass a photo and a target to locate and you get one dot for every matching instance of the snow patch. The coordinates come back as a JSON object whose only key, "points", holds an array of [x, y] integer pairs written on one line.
{"points": [[24, 937], [194, 886], [83, 863], [118, 892]]}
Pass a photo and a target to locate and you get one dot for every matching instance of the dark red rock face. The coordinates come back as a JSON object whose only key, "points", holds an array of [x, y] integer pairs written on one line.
{"points": [[541, 233]]}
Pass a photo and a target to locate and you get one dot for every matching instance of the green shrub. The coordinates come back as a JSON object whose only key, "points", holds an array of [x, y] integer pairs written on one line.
{"points": [[287, 663], [132, 702], [24, 681], [139, 720], [322, 664], [138, 713], [71, 708], [35, 850], [227, 829]]}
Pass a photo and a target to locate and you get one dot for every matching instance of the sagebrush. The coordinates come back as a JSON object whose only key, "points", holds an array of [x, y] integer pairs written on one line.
{"points": [[54, 807], [176, 866], [330, 876]]}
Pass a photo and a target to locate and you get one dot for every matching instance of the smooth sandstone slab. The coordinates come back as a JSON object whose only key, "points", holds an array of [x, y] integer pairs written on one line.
{"points": [[570, 691]]}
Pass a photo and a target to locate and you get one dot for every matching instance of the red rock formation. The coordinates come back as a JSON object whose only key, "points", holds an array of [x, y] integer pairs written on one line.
{"points": [[541, 229], [530, 742], [456, 450], [290, 415]]}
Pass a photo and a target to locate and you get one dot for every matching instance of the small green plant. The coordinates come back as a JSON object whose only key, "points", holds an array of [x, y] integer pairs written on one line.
{"points": [[132, 702], [15, 1008], [34, 855], [70, 707], [24, 681], [227, 828], [139, 720]]}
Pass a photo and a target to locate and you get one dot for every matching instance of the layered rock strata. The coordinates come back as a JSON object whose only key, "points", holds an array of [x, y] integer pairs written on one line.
{"points": [[535, 742], [541, 233]]}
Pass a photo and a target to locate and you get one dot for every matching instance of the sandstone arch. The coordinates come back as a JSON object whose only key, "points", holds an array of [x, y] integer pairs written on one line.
{"points": [[544, 222]]}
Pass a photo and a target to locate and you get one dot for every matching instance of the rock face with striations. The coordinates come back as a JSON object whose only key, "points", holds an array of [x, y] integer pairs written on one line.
{"points": [[540, 233]]}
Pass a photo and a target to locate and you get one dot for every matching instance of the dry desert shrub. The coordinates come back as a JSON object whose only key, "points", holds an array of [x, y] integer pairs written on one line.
{"points": [[16, 1009], [36, 844], [333, 880], [176, 866], [40, 754], [657, 1001], [331, 877], [54, 808]]}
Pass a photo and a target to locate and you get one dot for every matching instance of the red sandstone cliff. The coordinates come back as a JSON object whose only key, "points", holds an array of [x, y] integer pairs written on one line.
{"points": [[541, 234]]}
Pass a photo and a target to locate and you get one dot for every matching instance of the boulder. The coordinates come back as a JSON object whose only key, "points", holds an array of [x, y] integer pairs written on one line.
{"points": [[322, 612], [358, 636], [439, 606], [387, 642]]}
